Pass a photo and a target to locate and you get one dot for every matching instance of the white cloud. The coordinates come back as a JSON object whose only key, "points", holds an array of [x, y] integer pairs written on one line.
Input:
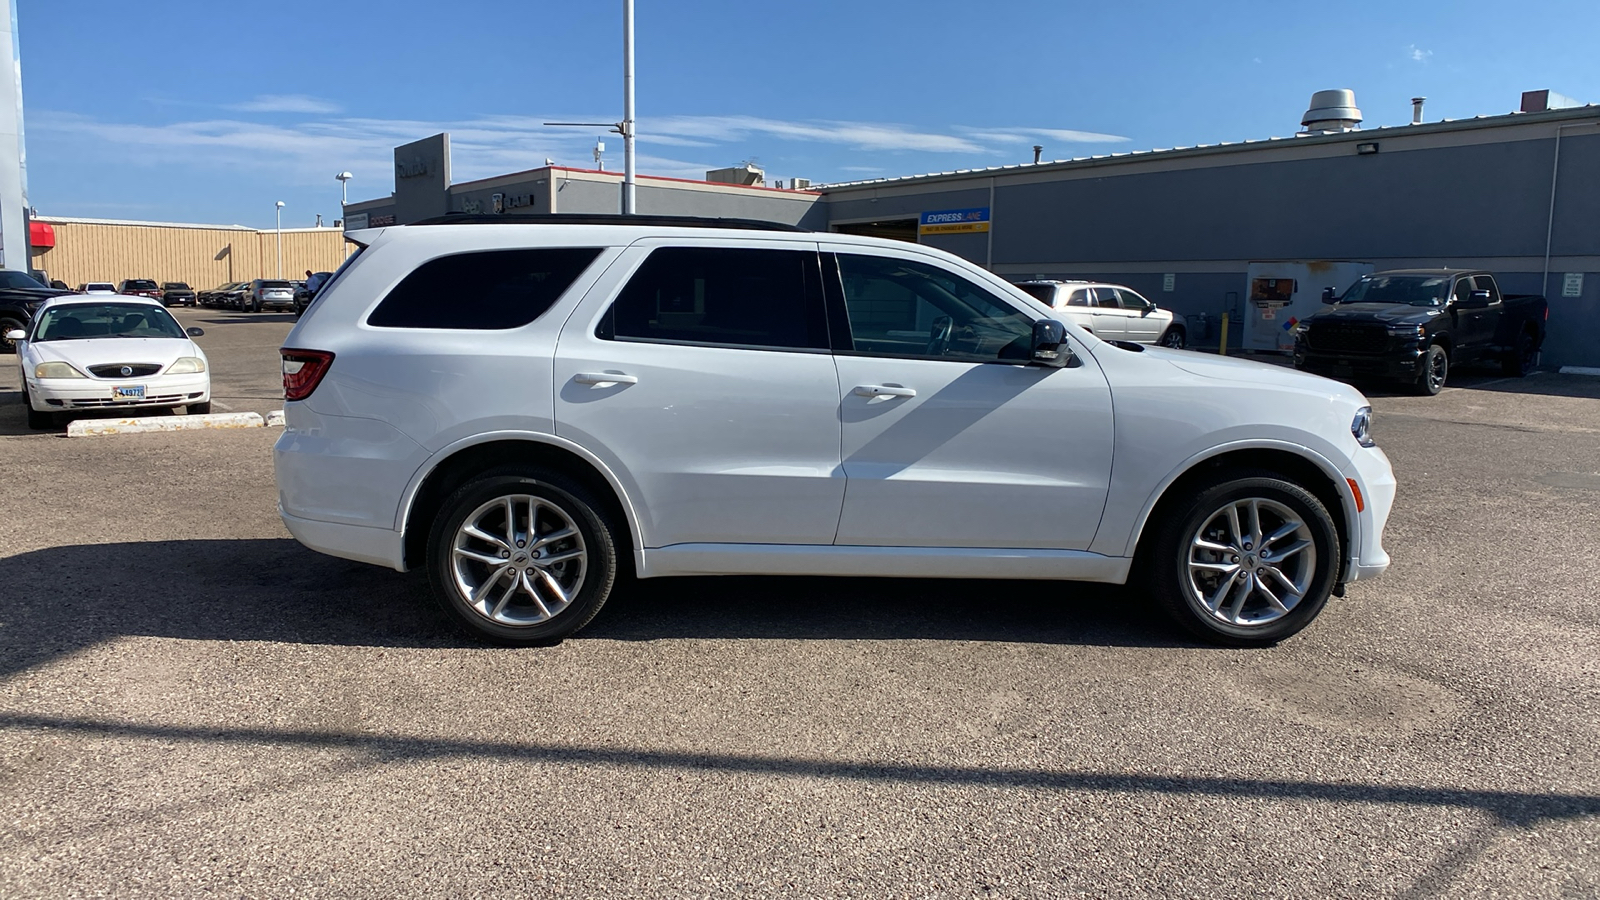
{"points": [[287, 103], [856, 135], [1418, 54]]}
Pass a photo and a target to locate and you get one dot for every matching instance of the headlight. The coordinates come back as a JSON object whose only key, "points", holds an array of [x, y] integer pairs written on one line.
{"points": [[1414, 332], [187, 365], [1361, 427], [56, 370]]}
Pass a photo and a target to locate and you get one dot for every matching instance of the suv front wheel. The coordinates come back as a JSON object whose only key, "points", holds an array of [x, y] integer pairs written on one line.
{"points": [[522, 556], [1248, 559]]}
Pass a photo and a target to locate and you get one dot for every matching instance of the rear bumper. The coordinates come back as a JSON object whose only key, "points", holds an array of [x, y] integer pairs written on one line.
{"points": [[379, 546]]}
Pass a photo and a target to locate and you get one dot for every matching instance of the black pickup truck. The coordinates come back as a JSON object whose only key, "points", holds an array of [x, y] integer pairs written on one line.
{"points": [[1414, 325], [20, 296]]}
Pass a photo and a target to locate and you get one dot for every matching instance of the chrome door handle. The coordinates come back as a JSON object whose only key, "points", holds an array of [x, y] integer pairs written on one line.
{"points": [[883, 390], [605, 378]]}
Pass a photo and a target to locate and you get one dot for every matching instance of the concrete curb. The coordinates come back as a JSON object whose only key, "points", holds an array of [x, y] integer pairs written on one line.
{"points": [[275, 419], [92, 427], [1580, 370]]}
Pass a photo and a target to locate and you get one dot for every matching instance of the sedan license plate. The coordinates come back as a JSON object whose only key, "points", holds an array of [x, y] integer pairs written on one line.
{"points": [[130, 392]]}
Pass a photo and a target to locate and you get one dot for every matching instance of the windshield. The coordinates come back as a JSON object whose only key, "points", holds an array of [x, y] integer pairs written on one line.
{"points": [[139, 284], [1417, 290], [18, 280], [81, 321], [175, 286]]}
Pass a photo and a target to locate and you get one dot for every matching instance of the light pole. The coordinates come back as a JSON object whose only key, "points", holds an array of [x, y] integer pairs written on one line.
{"points": [[280, 239], [625, 127], [344, 191]]}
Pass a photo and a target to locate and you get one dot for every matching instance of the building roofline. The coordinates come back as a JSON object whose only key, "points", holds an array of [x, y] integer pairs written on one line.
{"points": [[79, 220], [1588, 111]]}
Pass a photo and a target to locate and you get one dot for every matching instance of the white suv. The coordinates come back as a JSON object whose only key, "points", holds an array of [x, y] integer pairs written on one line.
{"points": [[1113, 312], [529, 409]]}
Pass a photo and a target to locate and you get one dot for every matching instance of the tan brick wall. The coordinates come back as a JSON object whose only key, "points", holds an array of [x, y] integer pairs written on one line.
{"points": [[100, 251]]}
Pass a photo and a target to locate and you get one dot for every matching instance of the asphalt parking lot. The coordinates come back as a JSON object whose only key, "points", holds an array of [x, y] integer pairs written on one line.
{"points": [[193, 704]]}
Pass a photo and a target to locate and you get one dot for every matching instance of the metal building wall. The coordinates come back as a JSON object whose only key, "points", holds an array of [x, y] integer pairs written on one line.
{"points": [[108, 251], [1471, 194]]}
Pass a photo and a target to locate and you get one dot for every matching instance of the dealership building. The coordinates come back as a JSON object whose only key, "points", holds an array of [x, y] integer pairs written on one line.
{"points": [[1200, 230]]}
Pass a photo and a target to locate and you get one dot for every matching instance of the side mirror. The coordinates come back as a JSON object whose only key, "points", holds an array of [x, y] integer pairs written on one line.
{"points": [[196, 331], [16, 334], [1475, 300], [1328, 296], [1050, 348]]}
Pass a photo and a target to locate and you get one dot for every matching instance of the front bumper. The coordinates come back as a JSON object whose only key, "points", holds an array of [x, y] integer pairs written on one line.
{"points": [[1375, 479], [1403, 364], [63, 394]]}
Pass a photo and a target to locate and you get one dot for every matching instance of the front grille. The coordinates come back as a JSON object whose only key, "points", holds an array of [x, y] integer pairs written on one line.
{"points": [[1348, 337], [145, 401], [114, 370]]}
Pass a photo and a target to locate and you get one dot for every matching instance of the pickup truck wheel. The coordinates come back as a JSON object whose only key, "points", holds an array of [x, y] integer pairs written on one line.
{"points": [[1246, 559], [1435, 369], [1174, 338], [8, 324], [522, 557], [1519, 359]]}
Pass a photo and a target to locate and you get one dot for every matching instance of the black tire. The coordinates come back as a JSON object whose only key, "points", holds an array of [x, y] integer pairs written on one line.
{"points": [[38, 421], [1169, 562], [1435, 370], [7, 324], [1174, 338], [559, 498], [1518, 361], [198, 409]]}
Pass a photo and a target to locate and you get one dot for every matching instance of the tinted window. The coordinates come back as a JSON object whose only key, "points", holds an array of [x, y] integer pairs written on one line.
{"points": [[1463, 290], [138, 284], [18, 280], [1044, 293], [1079, 297], [726, 296], [495, 289], [1106, 298], [1487, 283], [903, 308], [1130, 300]]}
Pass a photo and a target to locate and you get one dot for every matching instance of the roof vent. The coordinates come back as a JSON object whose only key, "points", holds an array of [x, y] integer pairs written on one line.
{"points": [[1332, 111], [1539, 101], [746, 174]]}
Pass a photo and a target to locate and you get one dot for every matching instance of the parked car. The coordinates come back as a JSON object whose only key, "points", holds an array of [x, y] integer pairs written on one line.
{"points": [[269, 293], [139, 287], [97, 287], [237, 297], [214, 298], [20, 298], [176, 293], [1111, 311], [108, 352], [637, 394], [304, 296], [1415, 325]]}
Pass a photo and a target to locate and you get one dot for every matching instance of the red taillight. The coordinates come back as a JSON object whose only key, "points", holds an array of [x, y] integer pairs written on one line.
{"points": [[303, 371]]}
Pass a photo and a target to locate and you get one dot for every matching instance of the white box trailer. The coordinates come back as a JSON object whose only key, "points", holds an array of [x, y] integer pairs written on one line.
{"points": [[1279, 294]]}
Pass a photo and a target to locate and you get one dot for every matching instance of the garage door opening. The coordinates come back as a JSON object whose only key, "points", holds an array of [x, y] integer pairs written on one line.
{"points": [[893, 229]]}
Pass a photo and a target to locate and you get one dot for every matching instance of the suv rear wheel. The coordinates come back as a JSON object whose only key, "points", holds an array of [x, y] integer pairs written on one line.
{"points": [[1248, 559], [522, 556]]}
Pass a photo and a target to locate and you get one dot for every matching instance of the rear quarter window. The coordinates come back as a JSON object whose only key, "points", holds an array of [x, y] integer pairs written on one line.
{"points": [[487, 290]]}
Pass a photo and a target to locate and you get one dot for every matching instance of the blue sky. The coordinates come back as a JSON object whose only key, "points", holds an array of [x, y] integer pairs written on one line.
{"points": [[212, 111]]}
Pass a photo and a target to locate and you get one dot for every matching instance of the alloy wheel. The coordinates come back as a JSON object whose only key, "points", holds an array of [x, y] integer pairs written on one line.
{"points": [[1250, 562], [518, 560]]}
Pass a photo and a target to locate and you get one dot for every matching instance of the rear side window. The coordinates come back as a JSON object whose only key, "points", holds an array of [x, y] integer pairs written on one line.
{"points": [[726, 296], [490, 290]]}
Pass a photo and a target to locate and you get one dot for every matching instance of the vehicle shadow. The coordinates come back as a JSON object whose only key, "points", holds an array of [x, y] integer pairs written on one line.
{"points": [[62, 599]]}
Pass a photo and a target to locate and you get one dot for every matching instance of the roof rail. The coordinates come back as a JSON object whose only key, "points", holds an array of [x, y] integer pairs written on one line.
{"points": [[456, 218]]}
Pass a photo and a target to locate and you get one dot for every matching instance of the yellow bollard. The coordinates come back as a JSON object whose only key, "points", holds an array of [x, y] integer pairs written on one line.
{"points": [[1222, 348]]}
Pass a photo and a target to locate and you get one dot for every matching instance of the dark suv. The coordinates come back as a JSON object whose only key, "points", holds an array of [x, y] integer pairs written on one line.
{"points": [[176, 293], [140, 287]]}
